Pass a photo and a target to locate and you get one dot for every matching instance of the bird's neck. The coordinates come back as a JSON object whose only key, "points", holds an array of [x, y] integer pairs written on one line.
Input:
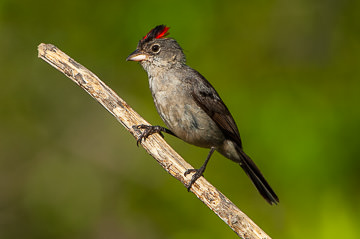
{"points": [[157, 69]]}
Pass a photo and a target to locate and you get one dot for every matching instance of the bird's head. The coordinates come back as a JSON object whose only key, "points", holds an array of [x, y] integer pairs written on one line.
{"points": [[156, 50]]}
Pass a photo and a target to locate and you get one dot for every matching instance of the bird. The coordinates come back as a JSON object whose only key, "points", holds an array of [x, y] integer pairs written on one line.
{"points": [[191, 108]]}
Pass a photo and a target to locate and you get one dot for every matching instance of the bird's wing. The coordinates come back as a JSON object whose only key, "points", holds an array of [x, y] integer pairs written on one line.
{"points": [[209, 100]]}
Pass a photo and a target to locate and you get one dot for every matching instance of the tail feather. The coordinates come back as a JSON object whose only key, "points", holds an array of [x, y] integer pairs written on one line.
{"points": [[257, 178]]}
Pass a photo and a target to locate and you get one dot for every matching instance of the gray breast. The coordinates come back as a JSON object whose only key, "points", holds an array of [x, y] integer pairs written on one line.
{"points": [[183, 116]]}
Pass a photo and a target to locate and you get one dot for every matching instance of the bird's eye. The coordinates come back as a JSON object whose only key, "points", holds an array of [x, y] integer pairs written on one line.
{"points": [[155, 48]]}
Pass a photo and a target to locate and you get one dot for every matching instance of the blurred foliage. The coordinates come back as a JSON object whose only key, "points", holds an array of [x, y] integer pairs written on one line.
{"points": [[288, 70]]}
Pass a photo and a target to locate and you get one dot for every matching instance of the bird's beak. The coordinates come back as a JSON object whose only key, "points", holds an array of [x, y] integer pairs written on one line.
{"points": [[137, 55]]}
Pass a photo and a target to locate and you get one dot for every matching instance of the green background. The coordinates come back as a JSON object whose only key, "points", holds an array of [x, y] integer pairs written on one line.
{"points": [[288, 71]]}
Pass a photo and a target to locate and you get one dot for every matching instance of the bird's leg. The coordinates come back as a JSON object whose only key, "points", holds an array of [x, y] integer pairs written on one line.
{"points": [[198, 172], [149, 130]]}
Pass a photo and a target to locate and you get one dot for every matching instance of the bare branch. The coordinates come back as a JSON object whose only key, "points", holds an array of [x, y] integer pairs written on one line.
{"points": [[170, 160]]}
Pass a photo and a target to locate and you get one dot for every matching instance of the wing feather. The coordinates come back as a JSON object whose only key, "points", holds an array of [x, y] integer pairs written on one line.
{"points": [[209, 100]]}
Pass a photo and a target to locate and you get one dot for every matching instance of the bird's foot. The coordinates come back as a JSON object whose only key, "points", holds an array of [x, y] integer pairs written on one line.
{"points": [[197, 174], [148, 130]]}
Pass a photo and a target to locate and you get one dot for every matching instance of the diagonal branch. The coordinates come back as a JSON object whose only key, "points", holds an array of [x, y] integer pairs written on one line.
{"points": [[170, 160]]}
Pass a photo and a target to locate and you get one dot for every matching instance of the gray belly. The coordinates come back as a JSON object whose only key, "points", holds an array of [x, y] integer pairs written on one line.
{"points": [[187, 120]]}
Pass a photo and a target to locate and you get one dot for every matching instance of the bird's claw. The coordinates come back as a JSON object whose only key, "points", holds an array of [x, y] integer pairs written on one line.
{"points": [[197, 174], [148, 130]]}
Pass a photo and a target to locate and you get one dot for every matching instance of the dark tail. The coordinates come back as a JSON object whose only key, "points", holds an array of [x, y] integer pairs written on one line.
{"points": [[257, 178]]}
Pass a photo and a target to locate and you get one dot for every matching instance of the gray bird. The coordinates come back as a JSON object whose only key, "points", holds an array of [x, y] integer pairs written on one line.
{"points": [[190, 107]]}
